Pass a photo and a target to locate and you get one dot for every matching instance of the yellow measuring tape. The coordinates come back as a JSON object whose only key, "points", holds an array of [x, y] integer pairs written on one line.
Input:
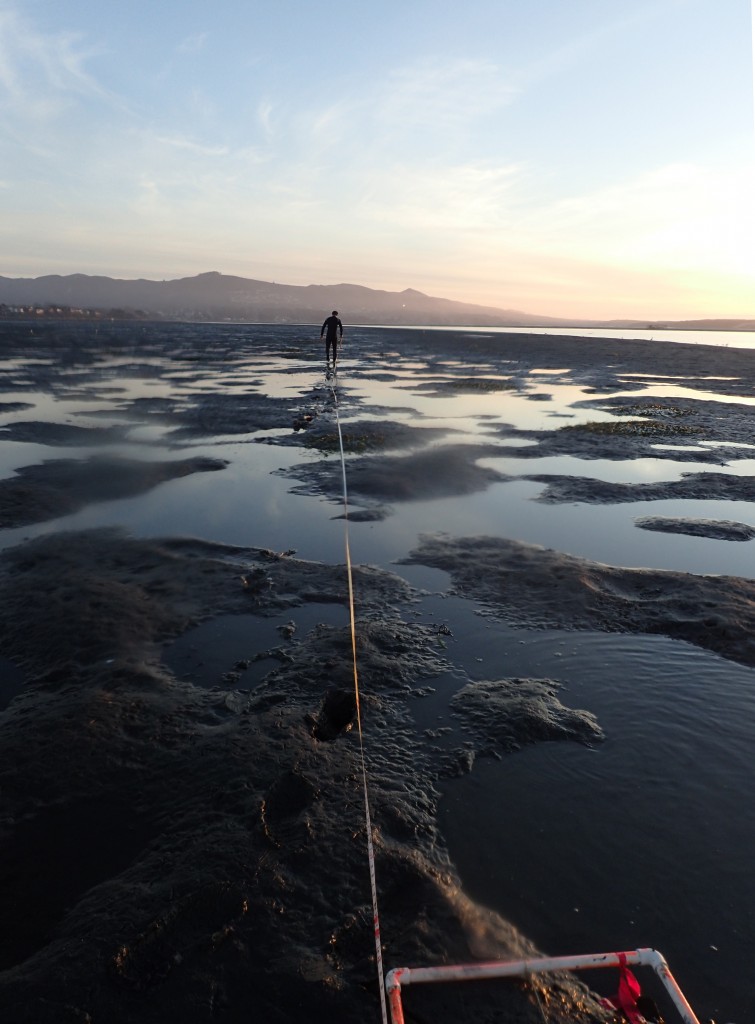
{"points": [[370, 848]]}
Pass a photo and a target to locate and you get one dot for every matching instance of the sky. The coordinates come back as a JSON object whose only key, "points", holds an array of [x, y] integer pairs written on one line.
{"points": [[586, 158]]}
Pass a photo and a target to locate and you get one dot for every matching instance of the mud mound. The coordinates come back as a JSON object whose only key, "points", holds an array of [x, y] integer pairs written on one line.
{"points": [[534, 586], [716, 529], [507, 714], [702, 486]]}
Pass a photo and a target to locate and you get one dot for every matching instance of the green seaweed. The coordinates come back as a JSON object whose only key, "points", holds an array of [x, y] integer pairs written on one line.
{"points": [[328, 442], [653, 409], [635, 428], [469, 385]]}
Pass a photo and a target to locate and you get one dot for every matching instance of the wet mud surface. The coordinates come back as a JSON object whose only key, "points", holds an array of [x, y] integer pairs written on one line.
{"points": [[534, 586], [510, 713], [671, 429], [170, 850], [178, 852], [717, 530], [605, 492]]}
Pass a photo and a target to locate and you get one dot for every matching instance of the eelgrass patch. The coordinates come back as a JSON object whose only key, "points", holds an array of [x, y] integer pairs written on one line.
{"points": [[468, 385], [366, 436], [635, 428]]}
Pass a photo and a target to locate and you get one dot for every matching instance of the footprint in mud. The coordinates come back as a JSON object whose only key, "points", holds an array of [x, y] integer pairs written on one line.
{"points": [[336, 715], [289, 796]]}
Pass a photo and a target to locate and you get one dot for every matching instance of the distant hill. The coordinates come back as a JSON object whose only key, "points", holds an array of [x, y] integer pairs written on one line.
{"points": [[215, 296]]}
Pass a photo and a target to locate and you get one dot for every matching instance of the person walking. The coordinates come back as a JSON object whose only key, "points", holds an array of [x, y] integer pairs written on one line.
{"points": [[332, 328]]}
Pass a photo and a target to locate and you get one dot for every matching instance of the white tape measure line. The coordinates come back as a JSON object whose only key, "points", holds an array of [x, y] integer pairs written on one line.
{"points": [[368, 819]]}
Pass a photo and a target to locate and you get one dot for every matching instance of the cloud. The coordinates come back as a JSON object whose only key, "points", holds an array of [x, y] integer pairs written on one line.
{"points": [[265, 109], [193, 43], [42, 74], [333, 126], [445, 94], [192, 146], [465, 198], [429, 106]]}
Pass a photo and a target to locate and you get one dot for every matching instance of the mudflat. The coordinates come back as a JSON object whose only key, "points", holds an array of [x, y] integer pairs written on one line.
{"points": [[178, 852]]}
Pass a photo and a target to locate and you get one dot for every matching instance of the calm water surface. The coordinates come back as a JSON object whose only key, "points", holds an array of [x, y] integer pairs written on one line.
{"points": [[649, 834], [727, 339]]}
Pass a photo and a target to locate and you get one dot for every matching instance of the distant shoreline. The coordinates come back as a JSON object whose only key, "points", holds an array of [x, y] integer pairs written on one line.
{"points": [[48, 314]]}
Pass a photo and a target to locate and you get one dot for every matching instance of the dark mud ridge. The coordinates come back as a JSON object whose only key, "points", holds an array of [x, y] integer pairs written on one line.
{"points": [[175, 853], [694, 486], [537, 587], [715, 529]]}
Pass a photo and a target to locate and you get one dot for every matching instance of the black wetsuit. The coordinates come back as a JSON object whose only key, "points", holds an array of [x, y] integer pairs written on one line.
{"points": [[332, 329]]}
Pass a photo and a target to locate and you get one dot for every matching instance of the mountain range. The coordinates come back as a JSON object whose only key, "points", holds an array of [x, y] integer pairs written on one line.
{"points": [[214, 296]]}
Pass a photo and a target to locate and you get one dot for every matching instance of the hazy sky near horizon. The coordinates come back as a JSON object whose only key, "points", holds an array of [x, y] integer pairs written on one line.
{"points": [[563, 157]]}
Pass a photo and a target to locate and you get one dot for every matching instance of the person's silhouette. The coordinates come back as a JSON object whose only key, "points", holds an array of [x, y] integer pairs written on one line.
{"points": [[332, 328]]}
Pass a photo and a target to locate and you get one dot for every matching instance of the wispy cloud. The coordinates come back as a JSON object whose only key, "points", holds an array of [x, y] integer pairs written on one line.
{"points": [[334, 124], [192, 146], [575, 50], [446, 94], [193, 43], [464, 197], [431, 103], [265, 110], [42, 73]]}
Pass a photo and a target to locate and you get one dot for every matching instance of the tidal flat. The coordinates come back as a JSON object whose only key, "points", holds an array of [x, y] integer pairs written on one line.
{"points": [[555, 607]]}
